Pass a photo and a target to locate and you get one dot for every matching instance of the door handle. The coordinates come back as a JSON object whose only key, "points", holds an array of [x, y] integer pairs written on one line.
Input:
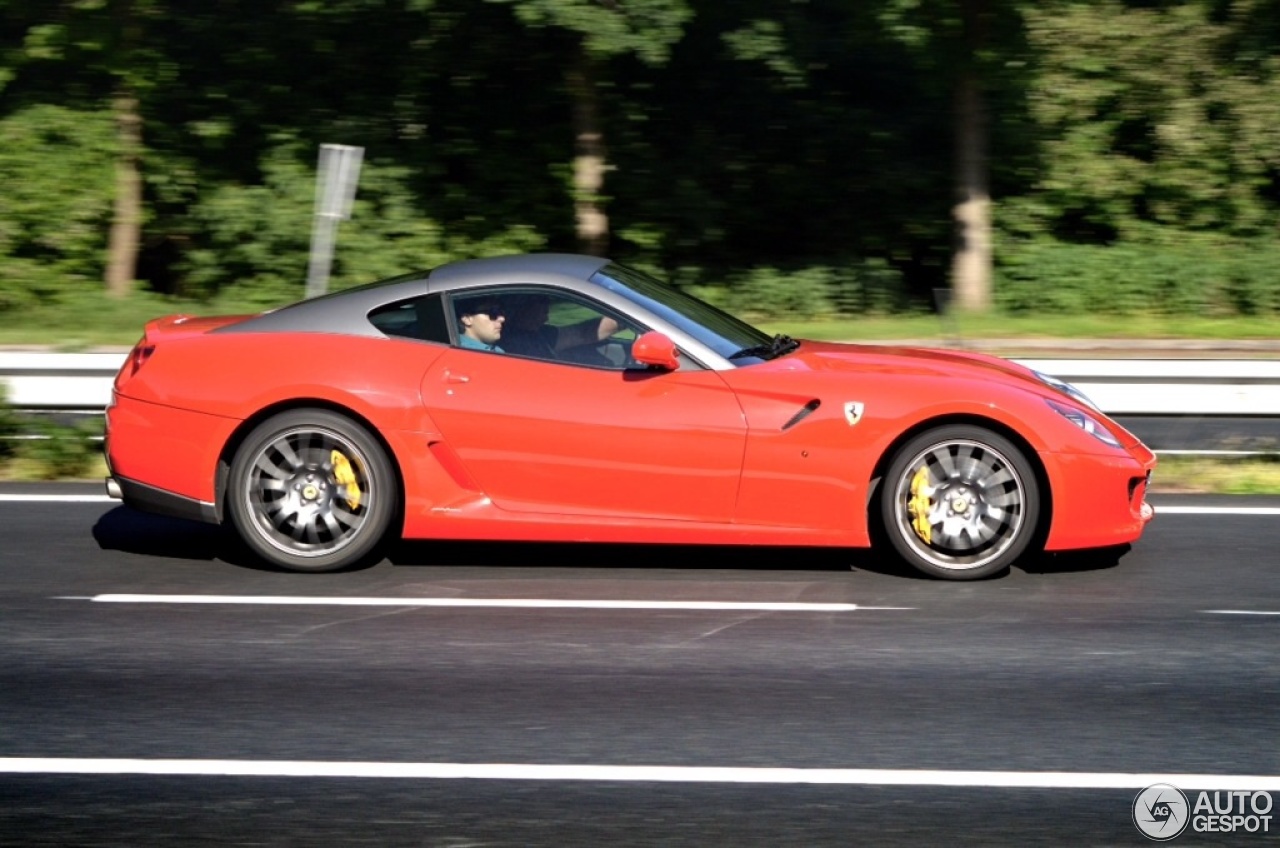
{"points": [[450, 377]]}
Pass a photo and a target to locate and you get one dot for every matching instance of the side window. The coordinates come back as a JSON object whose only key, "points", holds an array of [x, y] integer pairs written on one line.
{"points": [[421, 318], [558, 326]]}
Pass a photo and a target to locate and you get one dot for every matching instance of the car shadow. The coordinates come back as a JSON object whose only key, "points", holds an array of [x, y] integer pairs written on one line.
{"points": [[145, 534], [130, 531], [1066, 562], [604, 555]]}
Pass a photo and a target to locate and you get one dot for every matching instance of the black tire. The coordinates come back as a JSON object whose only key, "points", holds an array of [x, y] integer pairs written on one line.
{"points": [[960, 502], [287, 498]]}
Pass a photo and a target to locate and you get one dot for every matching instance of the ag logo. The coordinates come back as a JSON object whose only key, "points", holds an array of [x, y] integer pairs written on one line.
{"points": [[852, 411], [1161, 812]]}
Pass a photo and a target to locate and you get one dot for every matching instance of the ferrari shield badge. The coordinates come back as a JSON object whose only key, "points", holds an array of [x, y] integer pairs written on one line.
{"points": [[852, 411]]}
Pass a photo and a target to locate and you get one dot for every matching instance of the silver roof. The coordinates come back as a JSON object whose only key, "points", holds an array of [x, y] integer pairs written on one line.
{"points": [[345, 311]]}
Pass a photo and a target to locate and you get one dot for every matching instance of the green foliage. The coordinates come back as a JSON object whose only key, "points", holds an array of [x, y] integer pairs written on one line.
{"points": [[254, 236], [1249, 475], [1135, 155], [254, 239], [59, 451], [10, 425], [645, 28], [769, 291], [1194, 276], [870, 287], [56, 169], [1153, 114], [867, 287]]}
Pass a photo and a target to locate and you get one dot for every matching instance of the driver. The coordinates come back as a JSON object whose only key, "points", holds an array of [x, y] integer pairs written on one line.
{"points": [[527, 332]]}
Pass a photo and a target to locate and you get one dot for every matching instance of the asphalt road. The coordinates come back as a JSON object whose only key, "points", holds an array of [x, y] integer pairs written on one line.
{"points": [[483, 695]]}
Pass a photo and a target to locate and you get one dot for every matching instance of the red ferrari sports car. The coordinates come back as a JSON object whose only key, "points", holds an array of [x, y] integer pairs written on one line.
{"points": [[569, 398]]}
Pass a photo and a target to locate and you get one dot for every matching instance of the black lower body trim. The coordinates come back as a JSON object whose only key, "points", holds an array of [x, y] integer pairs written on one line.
{"points": [[146, 498]]}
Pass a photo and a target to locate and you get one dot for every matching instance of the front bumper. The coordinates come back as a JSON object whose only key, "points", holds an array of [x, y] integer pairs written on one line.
{"points": [[1099, 500]]}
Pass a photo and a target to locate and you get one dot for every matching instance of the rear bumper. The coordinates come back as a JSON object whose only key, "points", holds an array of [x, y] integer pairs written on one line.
{"points": [[1099, 500], [146, 498], [174, 451]]}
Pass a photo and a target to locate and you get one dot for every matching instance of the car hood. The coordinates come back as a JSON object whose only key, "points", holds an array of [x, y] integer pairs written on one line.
{"points": [[864, 359]]}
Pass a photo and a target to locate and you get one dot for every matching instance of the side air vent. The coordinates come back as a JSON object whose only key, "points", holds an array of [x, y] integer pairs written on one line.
{"points": [[802, 414]]}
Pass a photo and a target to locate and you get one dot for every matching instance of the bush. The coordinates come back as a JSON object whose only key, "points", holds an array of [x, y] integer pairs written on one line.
{"points": [[60, 451], [803, 293], [1182, 274], [57, 167], [253, 241], [10, 426], [869, 286]]}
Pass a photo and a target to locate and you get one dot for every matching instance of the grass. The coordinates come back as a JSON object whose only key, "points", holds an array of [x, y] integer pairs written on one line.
{"points": [[1014, 327], [23, 469], [99, 321], [1259, 475]]}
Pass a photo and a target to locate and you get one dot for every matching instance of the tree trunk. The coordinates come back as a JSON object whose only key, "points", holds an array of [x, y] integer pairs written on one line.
{"points": [[126, 224], [589, 163], [972, 263]]}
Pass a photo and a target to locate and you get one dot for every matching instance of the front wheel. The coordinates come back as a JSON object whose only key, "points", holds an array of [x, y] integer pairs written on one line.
{"points": [[311, 490], [960, 502]]}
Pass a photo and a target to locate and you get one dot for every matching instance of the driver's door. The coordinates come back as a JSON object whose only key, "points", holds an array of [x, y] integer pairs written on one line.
{"points": [[557, 437]]}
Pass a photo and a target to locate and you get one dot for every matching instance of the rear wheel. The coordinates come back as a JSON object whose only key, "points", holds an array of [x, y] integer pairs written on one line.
{"points": [[311, 490], [960, 502]]}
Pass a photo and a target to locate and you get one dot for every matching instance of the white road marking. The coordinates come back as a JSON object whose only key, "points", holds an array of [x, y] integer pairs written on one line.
{"points": [[56, 499], [537, 603], [1192, 452], [1241, 612], [641, 774], [1216, 510]]}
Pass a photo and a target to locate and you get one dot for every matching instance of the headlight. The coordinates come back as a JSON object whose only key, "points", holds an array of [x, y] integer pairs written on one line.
{"points": [[1085, 422], [1065, 387]]}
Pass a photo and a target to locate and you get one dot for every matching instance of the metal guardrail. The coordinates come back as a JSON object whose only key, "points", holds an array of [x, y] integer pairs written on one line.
{"points": [[68, 382], [1172, 386], [1224, 403]]}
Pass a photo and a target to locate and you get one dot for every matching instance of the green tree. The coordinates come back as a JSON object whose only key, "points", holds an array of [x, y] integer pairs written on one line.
{"points": [[600, 29], [106, 45], [976, 49], [1155, 117], [56, 166]]}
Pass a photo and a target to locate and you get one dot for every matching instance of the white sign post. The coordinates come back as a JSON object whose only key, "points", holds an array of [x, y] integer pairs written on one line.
{"points": [[336, 178]]}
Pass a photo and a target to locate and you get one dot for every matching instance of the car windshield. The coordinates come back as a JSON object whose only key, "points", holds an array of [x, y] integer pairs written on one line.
{"points": [[728, 336]]}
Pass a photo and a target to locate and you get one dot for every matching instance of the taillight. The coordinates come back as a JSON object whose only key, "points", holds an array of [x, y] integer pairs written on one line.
{"points": [[137, 358], [139, 355]]}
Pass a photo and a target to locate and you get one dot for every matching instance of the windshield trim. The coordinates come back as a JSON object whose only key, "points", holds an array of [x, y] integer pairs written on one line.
{"points": [[713, 328]]}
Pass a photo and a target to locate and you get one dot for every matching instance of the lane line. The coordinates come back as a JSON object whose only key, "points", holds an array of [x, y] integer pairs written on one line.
{"points": [[1193, 452], [519, 603], [1241, 612], [1216, 510], [639, 774], [56, 499]]}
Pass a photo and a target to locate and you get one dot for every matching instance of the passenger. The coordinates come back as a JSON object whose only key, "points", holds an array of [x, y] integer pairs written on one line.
{"points": [[529, 334], [480, 325]]}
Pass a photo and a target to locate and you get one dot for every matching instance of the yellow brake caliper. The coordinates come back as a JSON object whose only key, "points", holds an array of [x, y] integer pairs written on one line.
{"points": [[346, 477], [919, 505]]}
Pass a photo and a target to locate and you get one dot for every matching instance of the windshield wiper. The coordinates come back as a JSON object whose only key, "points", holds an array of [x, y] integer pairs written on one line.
{"points": [[772, 349]]}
